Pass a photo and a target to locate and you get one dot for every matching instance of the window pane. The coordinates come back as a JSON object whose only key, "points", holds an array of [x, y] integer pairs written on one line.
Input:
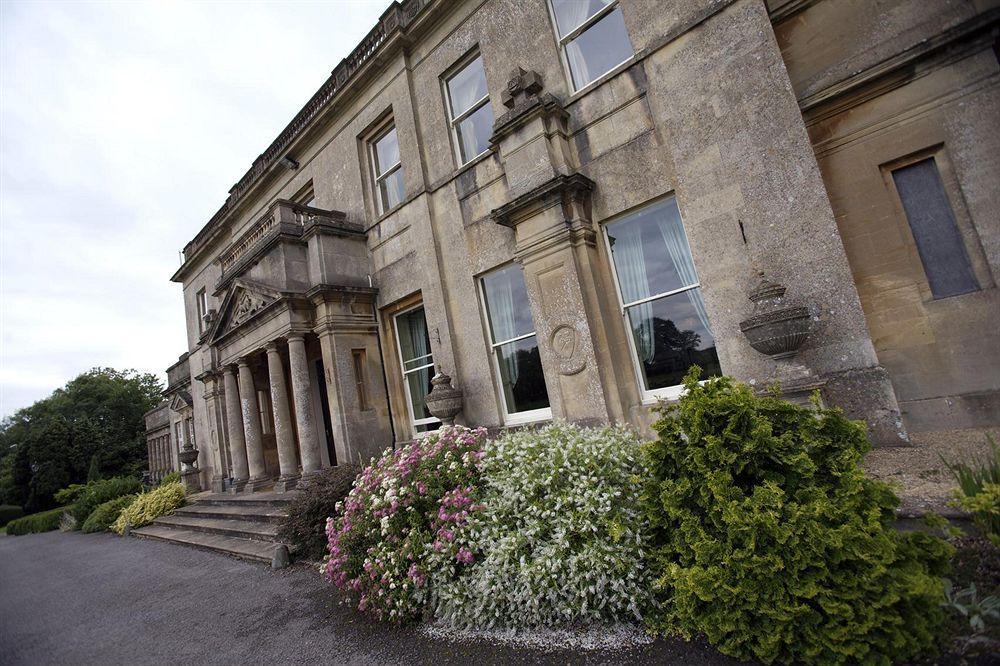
{"points": [[386, 152], [650, 252], [474, 132], [571, 13], [932, 221], [507, 304], [414, 343], [599, 49], [419, 383], [671, 334], [467, 87], [521, 376], [391, 189]]}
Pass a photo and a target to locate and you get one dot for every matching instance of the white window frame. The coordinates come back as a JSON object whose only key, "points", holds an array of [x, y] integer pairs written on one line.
{"points": [[576, 32], [649, 396], [509, 418], [414, 421], [201, 300], [377, 177], [456, 120]]}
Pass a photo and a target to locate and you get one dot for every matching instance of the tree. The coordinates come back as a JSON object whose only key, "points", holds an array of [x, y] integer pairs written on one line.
{"points": [[94, 472], [95, 422]]}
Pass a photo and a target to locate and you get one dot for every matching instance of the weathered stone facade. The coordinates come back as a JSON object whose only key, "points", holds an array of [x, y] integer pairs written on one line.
{"points": [[366, 249]]}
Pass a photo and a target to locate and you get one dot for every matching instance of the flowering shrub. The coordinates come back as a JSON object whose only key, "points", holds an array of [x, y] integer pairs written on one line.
{"points": [[147, 507], [396, 515], [555, 535]]}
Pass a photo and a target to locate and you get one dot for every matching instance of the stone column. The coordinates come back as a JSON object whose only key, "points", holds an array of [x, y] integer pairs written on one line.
{"points": [[302, 395], [251, 428], [234, 426], [285, 438]]}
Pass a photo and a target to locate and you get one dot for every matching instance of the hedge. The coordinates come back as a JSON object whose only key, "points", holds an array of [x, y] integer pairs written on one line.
{"points": [[9, 512], [46, 521]]}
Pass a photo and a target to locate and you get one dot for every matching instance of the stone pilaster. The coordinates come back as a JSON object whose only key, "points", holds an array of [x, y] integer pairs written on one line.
{"points": [[251, 428], [234, 425], [302, 396], [285, 438]]}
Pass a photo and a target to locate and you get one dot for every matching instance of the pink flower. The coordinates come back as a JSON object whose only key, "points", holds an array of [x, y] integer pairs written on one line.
{"points": [[464, 555]]}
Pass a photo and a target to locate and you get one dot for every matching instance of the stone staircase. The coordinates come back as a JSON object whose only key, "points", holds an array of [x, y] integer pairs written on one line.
{"points": [[244, 525]]}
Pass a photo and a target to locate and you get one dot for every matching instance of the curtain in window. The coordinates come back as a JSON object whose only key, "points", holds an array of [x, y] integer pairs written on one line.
{"points": [[676, 243], [500, 297], [417, 327], [465, 88], [572, 14], [635, 286]]}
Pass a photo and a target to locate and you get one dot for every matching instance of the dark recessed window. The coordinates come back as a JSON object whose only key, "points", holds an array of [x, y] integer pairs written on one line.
{"points": [[661, 298], [388, 170], [359, 356], [470, 110], [593, 37], [515, 345], [932, 221]]}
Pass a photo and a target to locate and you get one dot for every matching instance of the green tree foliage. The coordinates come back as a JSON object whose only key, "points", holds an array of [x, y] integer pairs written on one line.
{"points": [[770, 540], [50, 445], [94, 471]]}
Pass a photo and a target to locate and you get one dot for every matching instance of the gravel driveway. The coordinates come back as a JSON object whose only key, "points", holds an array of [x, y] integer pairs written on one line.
{"points": [[72, 598]]}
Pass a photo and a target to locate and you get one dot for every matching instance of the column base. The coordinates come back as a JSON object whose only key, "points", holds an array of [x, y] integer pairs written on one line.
{"points": [[218, 484], [286, 483], [237, 486], [258, 484]]}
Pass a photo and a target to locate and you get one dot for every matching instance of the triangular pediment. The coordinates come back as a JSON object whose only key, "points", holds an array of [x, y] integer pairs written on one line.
{"points": [[245, 299], [181, 400]]}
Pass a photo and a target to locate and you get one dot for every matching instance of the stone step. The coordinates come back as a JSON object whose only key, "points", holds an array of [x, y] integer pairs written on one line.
{"points": [[241, 529], [256, 514], [270, 499], [248, 549]]}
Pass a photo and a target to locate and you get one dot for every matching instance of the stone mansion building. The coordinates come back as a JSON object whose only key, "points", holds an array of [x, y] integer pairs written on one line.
{"points": [[557, 207]]}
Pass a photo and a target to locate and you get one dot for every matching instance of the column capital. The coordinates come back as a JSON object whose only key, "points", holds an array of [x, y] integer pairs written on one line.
{"points": [[298, 337], [243, 361], [271, 346]]}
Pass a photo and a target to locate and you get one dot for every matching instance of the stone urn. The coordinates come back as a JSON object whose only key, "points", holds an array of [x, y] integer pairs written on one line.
{"points": [[775, 327], [444, 401], [189, 473]]}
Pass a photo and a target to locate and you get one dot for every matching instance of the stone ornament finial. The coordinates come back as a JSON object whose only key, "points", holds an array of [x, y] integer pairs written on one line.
{"points": [[444, 401], [521, 85], [775, 327]]}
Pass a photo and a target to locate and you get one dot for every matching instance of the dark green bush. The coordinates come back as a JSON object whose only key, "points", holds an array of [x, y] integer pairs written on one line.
{"points": [[305, 527], [99, 492], [69, 494], [9, 512], [172, 477], [46, 521], [771, 541], [100, 519]]}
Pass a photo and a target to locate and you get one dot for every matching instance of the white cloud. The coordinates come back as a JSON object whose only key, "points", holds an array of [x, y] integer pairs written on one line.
{"points": [[122, 127]]}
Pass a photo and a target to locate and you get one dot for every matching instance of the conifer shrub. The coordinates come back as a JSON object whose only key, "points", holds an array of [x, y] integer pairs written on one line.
{"points": [[45, 521], [147, 507], [770, 540], [69, 494], [305, 526], [99, 492], [106, 514], [171, 477], [553, 535], [9, 512]]}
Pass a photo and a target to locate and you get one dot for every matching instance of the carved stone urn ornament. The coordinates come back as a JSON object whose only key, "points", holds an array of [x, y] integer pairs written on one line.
{"points": [[189, 473], [775, 327], [444, 401]]}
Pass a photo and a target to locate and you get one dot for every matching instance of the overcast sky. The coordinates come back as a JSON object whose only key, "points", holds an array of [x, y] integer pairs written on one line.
{"points": [[122, 127]]}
